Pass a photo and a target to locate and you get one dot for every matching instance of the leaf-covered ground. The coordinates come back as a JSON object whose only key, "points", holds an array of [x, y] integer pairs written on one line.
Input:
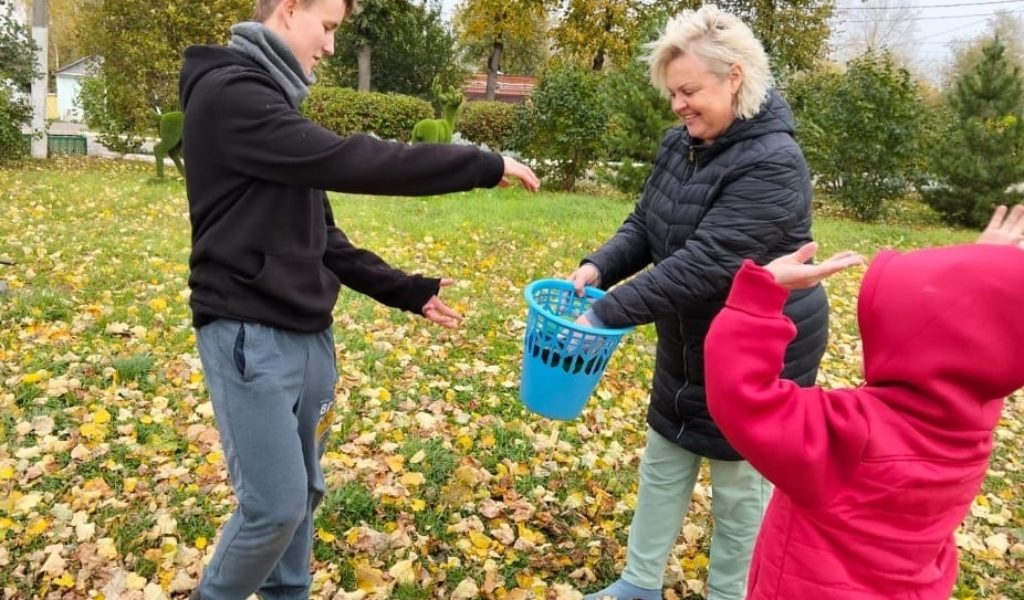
{"points": [[440, 484]]}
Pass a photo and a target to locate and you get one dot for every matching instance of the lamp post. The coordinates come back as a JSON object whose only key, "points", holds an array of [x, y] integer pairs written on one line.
{"points": [[40, 23]]}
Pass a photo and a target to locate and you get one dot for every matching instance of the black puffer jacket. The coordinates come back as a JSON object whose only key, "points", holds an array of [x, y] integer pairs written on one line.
{"points": [[705, 209]]}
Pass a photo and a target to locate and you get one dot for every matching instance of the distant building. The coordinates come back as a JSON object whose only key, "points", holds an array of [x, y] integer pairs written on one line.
{"points": [[69, 86], [511, 88]]}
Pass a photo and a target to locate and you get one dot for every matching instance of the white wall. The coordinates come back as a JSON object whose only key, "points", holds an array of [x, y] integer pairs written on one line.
{"points": [[68, 89]]}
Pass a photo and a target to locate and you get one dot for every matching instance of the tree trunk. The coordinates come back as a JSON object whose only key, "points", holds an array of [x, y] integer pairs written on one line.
{"points": [[363, 54], [493, 65], [598, 63]]}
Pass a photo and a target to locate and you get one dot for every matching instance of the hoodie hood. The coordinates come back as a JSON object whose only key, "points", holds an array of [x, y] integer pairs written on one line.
{"points": [[200, 60], [945, 325]]}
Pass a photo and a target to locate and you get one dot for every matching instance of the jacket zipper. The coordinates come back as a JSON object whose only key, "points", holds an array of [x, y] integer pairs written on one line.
{"points": [[686, 384], [686, 369]]}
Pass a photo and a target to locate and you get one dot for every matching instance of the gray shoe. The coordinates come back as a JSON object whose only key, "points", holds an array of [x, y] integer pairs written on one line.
{"points": [[623, 590]]}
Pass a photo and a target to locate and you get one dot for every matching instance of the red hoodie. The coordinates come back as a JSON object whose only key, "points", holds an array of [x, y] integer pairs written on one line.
{"points": [[872, 482]]}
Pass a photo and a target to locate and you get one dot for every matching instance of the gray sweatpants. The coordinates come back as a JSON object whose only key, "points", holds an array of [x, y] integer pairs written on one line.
{"points": [[668, 475], [273, 397]]}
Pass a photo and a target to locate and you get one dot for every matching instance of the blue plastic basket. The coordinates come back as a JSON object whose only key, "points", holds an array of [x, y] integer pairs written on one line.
{"points": [[562, 361]]}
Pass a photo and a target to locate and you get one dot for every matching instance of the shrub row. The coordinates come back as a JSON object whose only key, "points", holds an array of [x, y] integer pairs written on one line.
{"points": [[346, 111], [488, 123]]}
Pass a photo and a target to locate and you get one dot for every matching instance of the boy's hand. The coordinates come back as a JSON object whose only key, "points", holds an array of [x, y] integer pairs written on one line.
{"points": [[790, 271], [516, 169], [438, 312], [1003, 229]]}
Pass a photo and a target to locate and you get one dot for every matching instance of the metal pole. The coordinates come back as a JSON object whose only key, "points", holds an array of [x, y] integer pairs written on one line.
{"points": [[40, 23]]}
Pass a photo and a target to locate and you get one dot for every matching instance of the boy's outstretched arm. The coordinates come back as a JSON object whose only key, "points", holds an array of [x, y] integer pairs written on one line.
{"points": [[804, 440]]}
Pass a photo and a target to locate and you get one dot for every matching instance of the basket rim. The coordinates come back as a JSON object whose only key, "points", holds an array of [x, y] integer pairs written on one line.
{"points": [[563, 284]]}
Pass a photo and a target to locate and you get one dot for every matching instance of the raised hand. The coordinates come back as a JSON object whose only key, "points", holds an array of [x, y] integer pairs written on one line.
{"points": [[1003, 229], [791, 271]]}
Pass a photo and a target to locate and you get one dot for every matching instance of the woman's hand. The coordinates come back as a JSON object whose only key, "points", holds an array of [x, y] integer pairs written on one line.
{"points": [[792, 272], [1004, 230], [586, 275], [438, 312]]}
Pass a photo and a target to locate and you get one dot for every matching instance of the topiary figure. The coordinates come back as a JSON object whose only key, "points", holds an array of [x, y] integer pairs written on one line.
{"points": [[170, 143], [439, 131]]}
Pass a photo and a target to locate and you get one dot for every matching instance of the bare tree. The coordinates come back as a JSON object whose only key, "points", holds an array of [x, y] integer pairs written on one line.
{"points": [[1005, 25], [876, 25]]}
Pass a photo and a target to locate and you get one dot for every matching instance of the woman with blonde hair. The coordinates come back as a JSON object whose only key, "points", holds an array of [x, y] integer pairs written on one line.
{"points": [[729, 183]]}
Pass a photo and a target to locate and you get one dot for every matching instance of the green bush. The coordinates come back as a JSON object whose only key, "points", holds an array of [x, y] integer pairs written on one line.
{"points": [[17, 68], [13, 115], [860, 131], [346, 111], [488, 123], [564, 125], [104, 116]]}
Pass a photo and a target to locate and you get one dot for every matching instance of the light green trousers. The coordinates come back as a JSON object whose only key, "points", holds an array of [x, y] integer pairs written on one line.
{"points": [[739, 495]]}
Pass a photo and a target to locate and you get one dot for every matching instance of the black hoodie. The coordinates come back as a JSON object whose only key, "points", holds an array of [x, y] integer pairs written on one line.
{"points": [[264, 244]]}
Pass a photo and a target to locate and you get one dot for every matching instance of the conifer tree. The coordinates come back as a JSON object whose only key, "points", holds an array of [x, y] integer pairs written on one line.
{"points": [[983, 152], [640, 115]]}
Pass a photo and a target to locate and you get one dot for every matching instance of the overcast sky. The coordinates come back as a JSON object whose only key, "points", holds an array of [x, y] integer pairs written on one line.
{"points": [[940, 24]]}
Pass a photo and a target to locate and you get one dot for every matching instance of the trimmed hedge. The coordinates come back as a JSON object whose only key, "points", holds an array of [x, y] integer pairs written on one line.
{"points": [[346, 111], [490, 123]]}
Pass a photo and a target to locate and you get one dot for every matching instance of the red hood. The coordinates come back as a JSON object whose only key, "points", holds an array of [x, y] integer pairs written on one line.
{"points": [[947, 325]]}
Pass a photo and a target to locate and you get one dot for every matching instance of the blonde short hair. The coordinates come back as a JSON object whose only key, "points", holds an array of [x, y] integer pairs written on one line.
{"points": [[720, 39], [264, 8]]}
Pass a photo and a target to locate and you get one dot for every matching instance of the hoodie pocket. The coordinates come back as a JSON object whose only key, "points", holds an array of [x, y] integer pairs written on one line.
{"points": [[238, 350], [304, 285]]}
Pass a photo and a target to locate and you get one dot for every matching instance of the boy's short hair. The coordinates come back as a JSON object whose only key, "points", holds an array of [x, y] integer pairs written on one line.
{"points": [[265, 7]]}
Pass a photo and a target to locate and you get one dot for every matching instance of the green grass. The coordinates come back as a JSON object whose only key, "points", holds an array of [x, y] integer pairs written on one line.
{"points": [[98, 303], [134, 368]]}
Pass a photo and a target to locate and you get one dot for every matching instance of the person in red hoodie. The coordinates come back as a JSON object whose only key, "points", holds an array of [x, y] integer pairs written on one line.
{"points": [[872, 482]]}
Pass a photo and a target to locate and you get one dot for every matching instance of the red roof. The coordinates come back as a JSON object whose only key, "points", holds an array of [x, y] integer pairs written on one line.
{"points": [[511, 88]]}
